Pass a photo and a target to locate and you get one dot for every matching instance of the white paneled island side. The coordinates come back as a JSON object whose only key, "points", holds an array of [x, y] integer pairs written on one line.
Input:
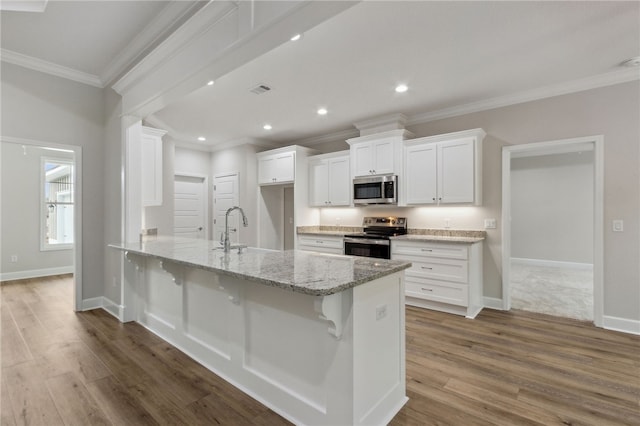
{"points": [[318, 338]]}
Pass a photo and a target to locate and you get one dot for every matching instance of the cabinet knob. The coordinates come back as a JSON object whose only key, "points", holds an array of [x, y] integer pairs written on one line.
{"points": [[434, 198]]}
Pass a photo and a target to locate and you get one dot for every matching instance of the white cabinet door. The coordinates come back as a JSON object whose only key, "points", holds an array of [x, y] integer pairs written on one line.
{"points": [[363, 159], [383, 157], [151, 167], [456, 171], [420, 174], [285, 167], [319, 183], [339, 182], [276, 168]]}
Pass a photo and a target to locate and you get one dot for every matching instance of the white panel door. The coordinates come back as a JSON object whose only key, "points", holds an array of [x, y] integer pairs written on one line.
{"points": [[456, 171], [420, 174], [189, 219], [225, 196]]}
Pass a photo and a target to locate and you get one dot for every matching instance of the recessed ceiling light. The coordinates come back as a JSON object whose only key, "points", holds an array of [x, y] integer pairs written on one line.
{"points": [[202, 138], [631, 62], [210, 83], [267, 127], [322, 111], [296, 37], [401, 88]]}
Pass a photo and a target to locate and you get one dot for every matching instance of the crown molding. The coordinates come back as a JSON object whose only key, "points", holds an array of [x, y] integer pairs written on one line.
{"points": [[47, 67], [601, 80], [331, 137], [204, 19], [161, 25], [23, 6]]}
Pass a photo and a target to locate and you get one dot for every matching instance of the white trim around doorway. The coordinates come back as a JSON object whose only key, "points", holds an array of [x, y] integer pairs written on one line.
{"points": [[77, 230], [556, 147]]}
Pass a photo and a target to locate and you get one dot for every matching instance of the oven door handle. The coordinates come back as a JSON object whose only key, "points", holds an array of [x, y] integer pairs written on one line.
{"points": [[367, 241]]}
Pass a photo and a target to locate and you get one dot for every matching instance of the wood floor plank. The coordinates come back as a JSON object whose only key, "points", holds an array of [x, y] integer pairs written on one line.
{"points": [[6, 411], [118, 403], [74, 402], [14, 349], [30, 399], [503, 368]]}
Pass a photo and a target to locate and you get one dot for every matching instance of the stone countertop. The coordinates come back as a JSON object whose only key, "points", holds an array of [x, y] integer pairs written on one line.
{"points": [[305, 272]]}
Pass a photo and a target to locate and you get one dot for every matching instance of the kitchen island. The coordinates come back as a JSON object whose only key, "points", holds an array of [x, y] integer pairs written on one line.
{"points": [[317, 338]]}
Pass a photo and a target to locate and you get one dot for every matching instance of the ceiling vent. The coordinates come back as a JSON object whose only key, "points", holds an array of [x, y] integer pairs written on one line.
{"points": [[260, 89]]}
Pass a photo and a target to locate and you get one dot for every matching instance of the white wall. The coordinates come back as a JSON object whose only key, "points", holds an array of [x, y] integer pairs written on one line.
{"points": [[610, 111], [46, 108], [21, 210], [552, 207], [243, 161]]}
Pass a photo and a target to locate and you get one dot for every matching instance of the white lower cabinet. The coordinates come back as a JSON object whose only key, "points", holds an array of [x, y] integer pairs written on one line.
{"points": [[322, 244], [443, 276]]}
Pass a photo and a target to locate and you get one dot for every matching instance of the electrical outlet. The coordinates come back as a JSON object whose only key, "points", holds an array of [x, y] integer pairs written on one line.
{"points": [[14, 258], [381, 312], [490, 224], [618, 225]]}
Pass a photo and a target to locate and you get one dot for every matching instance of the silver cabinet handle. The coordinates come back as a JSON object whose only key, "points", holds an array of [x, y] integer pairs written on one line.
{"points": [[426, 249], [426, 289], [426, 267]]}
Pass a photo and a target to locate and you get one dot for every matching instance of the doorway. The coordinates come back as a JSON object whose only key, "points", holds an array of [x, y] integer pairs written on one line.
{"points": [[190, 206], [226, 194], [552, 211], [42, 211]]}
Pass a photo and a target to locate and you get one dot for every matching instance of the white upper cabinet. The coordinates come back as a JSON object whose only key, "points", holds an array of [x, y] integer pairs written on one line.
{"points": [[444, 169], [421, 174], [377, 154], [374, 158], [329, 180], [151, 167], [276, 168]]}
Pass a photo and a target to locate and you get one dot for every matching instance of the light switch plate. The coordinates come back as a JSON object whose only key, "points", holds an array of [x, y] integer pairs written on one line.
{"points": [[490, 224], [618, 225]]}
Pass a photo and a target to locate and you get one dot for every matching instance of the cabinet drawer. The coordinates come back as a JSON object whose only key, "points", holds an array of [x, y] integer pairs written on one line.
{"points": [[438, 269], [329, 250], [320, 242], [442, 250], [451, 293]]}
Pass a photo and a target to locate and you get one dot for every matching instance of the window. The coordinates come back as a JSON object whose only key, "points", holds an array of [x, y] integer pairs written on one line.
{"points": [[57, 209]]}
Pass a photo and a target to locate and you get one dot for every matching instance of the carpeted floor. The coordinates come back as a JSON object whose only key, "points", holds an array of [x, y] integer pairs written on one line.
{"points": [[563, 292]]}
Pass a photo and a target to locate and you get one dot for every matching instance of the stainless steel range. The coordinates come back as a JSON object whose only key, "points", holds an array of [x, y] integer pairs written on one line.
{"points": [[375, 240]]}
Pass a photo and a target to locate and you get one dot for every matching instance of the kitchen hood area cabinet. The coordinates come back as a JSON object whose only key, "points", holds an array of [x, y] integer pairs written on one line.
{"points": [[377, 154], [329, 180], [444, 169], [276, 168]]}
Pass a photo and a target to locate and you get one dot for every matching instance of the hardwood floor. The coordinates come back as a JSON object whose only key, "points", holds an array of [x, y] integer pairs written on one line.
{"points": [[503, 368]]}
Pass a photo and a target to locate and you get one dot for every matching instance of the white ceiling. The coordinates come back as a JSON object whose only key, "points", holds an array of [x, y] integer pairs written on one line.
{"points": [[454, 56], [449, 53], [89, 37]]}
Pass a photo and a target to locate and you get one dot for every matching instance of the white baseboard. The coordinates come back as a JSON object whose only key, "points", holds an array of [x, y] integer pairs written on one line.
{"points": [[621, 324], [92, 303], [493, 303], [551, 263], [113, 308], [36, 273]]}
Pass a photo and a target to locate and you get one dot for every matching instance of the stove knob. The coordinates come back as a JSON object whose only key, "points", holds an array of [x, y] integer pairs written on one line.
{"points": [[393, 222]]}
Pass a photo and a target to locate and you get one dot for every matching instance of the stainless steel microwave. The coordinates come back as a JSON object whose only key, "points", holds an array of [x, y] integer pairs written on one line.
{"points": [[382, 189]]}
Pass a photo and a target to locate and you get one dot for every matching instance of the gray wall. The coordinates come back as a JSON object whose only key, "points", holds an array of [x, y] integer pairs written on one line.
{"points": [[51, 109], [21, 209], [610, 111], [552, 207]]}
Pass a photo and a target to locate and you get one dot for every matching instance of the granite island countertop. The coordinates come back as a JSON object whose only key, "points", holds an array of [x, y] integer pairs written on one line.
{"points": [[305, 272]]}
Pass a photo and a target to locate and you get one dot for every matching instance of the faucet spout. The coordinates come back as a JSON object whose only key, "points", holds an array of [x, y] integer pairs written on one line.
{"points": [[245, 223]]}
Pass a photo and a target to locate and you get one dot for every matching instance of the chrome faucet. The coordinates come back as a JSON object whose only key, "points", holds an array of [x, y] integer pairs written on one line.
{"points": [[226, 244]]}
